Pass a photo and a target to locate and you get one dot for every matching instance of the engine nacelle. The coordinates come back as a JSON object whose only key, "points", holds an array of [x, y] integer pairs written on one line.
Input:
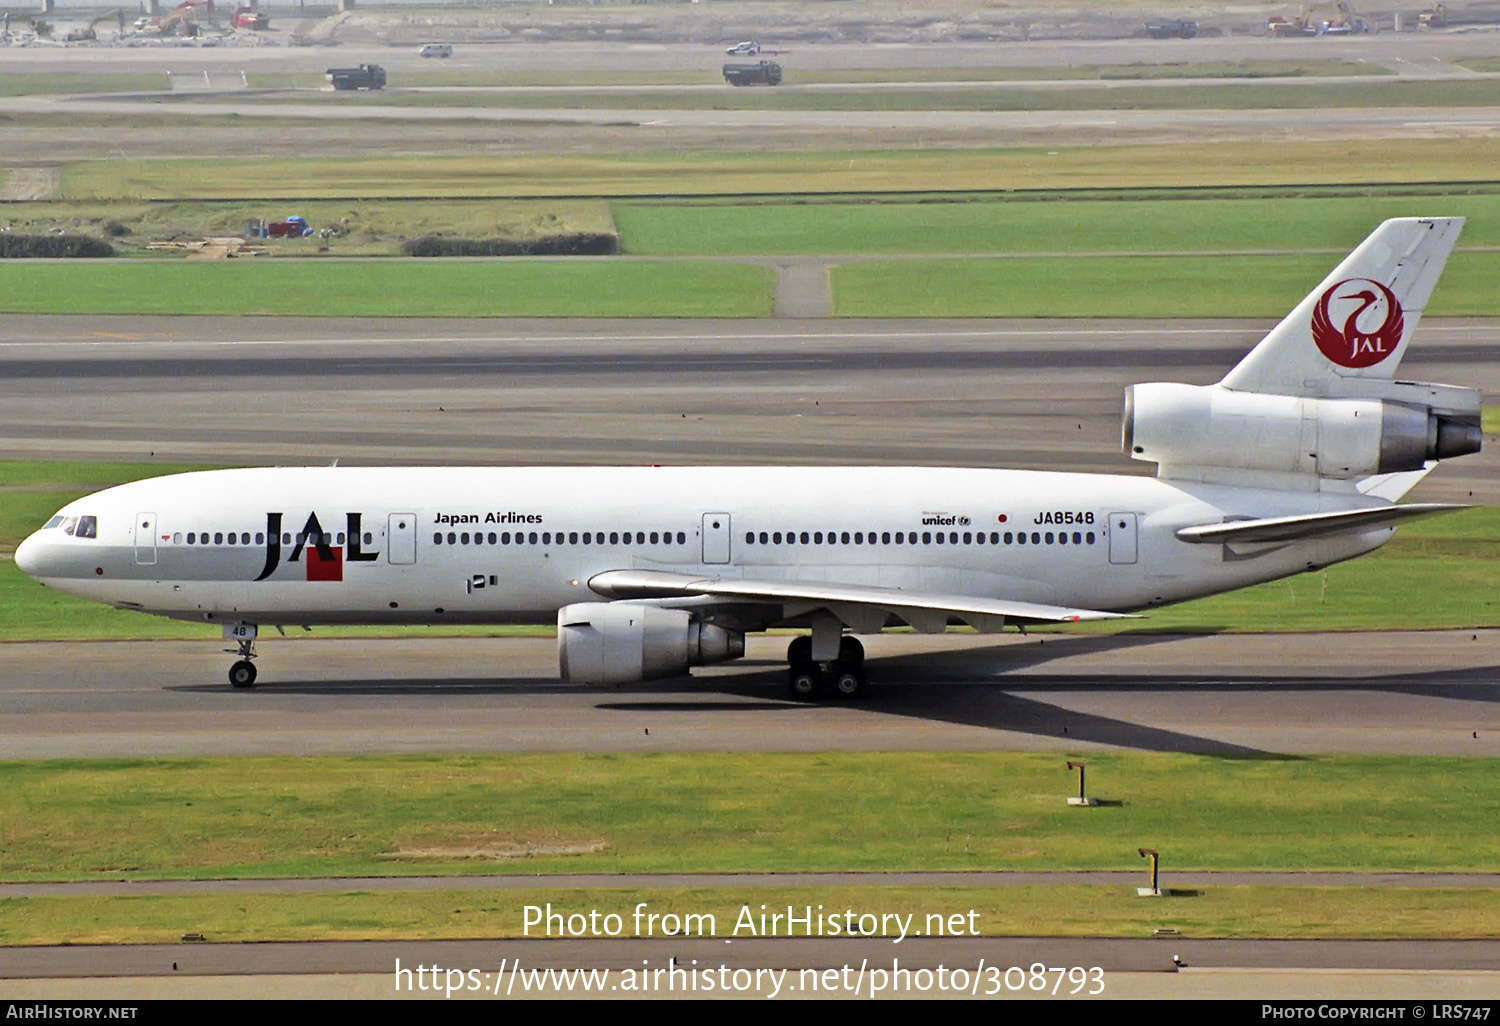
{"points": [[1180, 426], [624, 643]]}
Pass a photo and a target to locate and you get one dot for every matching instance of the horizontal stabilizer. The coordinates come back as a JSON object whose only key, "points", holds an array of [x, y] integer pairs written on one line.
{"points": [[908, 606], [1311, 525]]}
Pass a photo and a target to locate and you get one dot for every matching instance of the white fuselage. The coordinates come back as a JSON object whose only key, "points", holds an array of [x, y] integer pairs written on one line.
{"points": [[506, 545]]}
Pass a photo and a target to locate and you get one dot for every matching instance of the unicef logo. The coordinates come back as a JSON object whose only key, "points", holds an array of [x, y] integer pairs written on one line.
{"points": [[1358, 323]]}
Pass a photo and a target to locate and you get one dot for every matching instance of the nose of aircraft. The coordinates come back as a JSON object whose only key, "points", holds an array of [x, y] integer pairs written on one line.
{"points": [[29, 556]]}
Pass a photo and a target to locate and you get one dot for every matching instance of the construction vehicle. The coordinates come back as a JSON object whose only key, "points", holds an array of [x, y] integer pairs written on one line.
{"points": [[1307, 22], [248, 18], [78, 33], [366, 76], [1434, 17], [759, 73], [183, 20], [1175, 28]]}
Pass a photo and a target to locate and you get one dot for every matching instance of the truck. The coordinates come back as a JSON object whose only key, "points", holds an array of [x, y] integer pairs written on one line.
{"points": [[249, 18], [759, 73], [1174, 28], [366, 76]]}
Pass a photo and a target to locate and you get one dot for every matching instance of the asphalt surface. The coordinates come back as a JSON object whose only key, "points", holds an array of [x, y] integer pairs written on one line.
{"points": [[1428, 693]]}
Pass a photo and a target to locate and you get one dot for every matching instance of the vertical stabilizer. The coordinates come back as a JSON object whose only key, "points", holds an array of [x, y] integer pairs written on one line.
{"points": [[1357, 322]]}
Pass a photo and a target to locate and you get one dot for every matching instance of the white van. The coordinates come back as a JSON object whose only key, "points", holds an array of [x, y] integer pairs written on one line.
{"points": [[436, 50]]}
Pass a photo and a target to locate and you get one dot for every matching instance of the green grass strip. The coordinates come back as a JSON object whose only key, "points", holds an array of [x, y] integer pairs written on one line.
{"points": [[1203, 286], [761, 812], [394, 288], [1043, 226], [1009, 911]]}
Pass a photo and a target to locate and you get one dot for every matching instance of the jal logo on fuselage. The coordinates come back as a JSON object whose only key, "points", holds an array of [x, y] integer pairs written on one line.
{"points": [[1358, 323], [313, 547]]}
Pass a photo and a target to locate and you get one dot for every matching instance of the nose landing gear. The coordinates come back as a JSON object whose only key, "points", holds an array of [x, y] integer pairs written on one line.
{"points": [[242, 673], [844, 678]]}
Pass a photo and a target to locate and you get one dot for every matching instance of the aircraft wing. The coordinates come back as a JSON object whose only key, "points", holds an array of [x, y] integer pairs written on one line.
{"points": [[862, 607], [1311, 525]]}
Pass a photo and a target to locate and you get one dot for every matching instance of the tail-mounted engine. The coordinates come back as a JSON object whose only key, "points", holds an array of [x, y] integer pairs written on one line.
{"points": [[1190, 428], [623, 643]]}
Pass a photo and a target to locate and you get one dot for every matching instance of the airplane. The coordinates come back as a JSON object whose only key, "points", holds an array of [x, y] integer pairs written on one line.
{"points": [[1293, 461]]}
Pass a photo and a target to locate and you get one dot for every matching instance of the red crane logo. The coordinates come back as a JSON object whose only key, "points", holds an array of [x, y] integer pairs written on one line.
{"points": [[1371, 318]]}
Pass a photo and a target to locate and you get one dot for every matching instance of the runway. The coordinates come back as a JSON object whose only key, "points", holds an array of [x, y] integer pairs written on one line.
{"points": [[1426, 693]]}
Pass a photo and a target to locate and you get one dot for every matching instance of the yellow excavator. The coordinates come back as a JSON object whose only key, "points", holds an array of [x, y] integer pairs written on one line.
{"points": [[1310, 21]]}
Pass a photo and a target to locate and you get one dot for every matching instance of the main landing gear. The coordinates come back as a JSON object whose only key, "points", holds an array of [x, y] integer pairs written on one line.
{"points": [[242, 673], [843, 678]]}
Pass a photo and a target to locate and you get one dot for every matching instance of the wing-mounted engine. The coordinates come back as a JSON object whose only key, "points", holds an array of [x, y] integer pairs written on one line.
{"points": [[1190, 430], [626, 642]]}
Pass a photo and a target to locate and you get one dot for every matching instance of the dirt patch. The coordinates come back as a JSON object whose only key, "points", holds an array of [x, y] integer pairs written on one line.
{"points": [[28, 183], [502, 850]]}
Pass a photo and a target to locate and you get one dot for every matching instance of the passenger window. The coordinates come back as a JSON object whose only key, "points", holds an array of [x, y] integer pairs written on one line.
{"points": [[1062, 537], [614, 537], [177, 538], [953, 537], [588, 538], [995, 538], [681, 538], [452, 538], [192, 536], [844, 537], [1048, 537], [463, 539], [967, 538], [640, 537], [286, 539], [817, 537], [218, 537], [885, 538], [1089, 537], [1077, 538], [368, 538], [804, 538], [232, 538], [530, 537], [437, 538], [654, 537], [926, 537], [203, 538], [572, 537], [1021, 538], [1036, 539], [505, 538], [900, 537]]}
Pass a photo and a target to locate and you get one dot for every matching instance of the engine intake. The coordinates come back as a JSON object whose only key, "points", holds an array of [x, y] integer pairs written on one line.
{"points": [[1182, 426], [624, 643]]}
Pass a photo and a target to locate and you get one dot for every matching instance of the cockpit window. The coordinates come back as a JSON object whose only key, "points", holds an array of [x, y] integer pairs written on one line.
{"points": [[52, 523], [68, 524], [88, 527]]}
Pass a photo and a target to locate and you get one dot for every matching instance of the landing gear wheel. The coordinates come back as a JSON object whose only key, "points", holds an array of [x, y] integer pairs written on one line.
{"points": [[851, 652], [242, 674], [848, 682], [799, 652], [804, 682]]}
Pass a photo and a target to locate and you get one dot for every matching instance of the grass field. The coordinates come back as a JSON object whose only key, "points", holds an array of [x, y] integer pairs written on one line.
{"points": [[1263, 286], [997, 225], [621, 813], [391, 288], [785, 173], [1016, 911]]}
